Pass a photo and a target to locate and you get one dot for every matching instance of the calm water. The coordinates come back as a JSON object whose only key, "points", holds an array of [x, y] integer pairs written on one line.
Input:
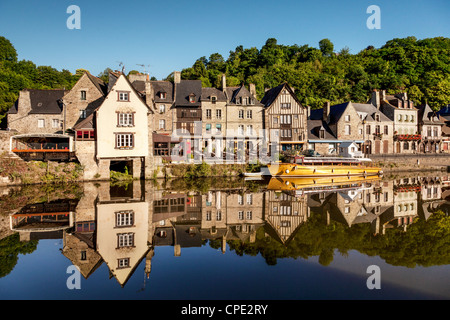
{"points": [[228, 239]]}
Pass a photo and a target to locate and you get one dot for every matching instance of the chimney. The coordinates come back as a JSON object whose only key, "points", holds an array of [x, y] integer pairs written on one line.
{"points": [[224, 82], [326, 111], [375, 99], [308, 112], [252, 89], [383, 95], [149, 94], [176, 76]]}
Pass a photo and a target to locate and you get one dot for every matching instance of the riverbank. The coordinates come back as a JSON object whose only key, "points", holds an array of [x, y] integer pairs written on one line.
{"points": [[15, 171]]}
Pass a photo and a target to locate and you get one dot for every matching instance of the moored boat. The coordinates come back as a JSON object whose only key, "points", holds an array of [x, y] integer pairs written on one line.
{"points": [[300, 166]]}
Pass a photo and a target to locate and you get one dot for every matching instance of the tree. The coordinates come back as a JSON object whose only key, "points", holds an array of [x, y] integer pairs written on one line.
{"points": [[7, 50], [326, 47]]}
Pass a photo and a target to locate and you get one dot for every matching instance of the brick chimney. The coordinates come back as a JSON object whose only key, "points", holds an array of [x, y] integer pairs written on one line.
{"points": [[176, 76], [326, 111]]}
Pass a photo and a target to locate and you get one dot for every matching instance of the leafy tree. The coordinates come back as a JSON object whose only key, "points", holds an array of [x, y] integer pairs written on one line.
{"points": [[326, 47], [7, 50]]}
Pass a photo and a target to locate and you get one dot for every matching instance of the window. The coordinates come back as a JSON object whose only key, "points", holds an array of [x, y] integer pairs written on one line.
{"points": [[123, 96], [250, 199], [377, 129], [218, 127], [377, 117], [125, 240], [192, 98], [322, 134], [208, 216], [249, 114], [249, 130], [219, 114], [162, 124], [208, 113], [241, 215], [82, 114], [275, 120], [208, 128], [347, 117], [285, 106], [162, 95], [285, 119], [125, 119], [55, 123], [241, 114], [386, 130], [123, 263], [347, 130], [213, 99], [41, 123], [219, 215], [124, 140], [286, 133], [83, 95], [162, 108], [368, 129], [124, 218], [399, 117], [249, 215], [406, 145], [240, 199], [240, 130]]}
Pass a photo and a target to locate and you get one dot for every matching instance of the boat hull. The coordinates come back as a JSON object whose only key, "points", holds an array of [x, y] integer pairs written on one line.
{"points": [[298, 170]]}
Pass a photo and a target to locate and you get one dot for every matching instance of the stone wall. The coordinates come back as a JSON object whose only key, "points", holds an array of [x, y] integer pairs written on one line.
{"points": [[412, 162]]}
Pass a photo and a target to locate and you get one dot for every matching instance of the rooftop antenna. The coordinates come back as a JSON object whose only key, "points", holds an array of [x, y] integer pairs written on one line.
{"points": [[143, 67], [121, 65]]}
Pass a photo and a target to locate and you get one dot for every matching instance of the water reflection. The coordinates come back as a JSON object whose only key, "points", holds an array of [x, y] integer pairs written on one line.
{"points": [[122, 225]]}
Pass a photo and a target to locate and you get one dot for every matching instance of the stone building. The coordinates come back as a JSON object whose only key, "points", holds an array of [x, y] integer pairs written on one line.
{"points": [[285, 118], [244, 121], [444, 117], [402, 112], [377, 129], [214, 120], [83, 99], [342, 123], [430, 130], [37, 111]]}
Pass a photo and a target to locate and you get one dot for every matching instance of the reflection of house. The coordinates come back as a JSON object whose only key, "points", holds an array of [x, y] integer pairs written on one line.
{"points": [[122, 233], [284, 214], [444, 117], [44, 220]]}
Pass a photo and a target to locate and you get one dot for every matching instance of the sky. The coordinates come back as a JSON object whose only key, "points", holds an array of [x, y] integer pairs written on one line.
{"points": [[160, 37]]}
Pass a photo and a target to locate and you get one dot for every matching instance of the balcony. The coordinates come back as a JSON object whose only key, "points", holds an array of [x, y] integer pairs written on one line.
{"points": [[407, 137]]}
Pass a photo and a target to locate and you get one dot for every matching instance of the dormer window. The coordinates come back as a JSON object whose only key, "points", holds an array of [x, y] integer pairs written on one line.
{"points": [[377, 117], [213, 99], [192, 98], [123, 96], [162, 95], [322, 134]]}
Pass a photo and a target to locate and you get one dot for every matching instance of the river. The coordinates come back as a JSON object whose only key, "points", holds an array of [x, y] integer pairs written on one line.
{"points": [[213, 239]]}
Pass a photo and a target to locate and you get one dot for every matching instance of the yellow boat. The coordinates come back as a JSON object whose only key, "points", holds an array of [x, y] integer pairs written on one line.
{"points": [[320, 184], [299, 166]]}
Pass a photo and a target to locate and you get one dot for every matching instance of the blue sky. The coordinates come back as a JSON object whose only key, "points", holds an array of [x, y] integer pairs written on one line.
{"points": [[170, 35]]}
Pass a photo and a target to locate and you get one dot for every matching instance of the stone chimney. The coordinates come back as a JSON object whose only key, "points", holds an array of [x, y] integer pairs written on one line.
{"points": [[308, 112], [326, 111], [224, 82], [375, 99], [252, 89], [383, 95], [149, 94], [176, 76]]}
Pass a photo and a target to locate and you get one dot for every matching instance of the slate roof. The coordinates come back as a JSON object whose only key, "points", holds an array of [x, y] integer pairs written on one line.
{"points": [[46, 101], [427, 116], [86, 123], [186, 88], [371, 111], [271, 95], [162, 86], [336, 112], [314, 127], [235, 93], [207, 93]]}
